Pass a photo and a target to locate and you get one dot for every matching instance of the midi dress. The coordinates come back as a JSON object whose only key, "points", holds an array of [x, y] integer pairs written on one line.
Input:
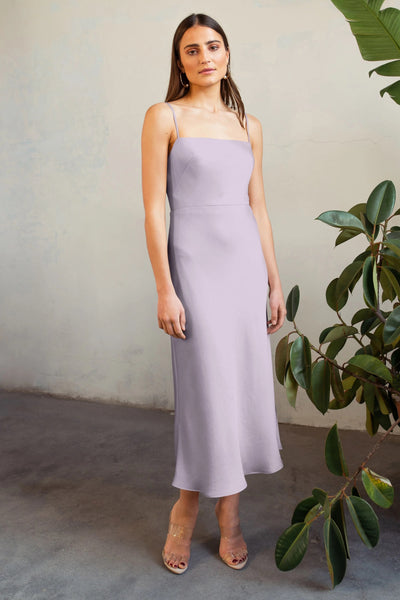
{"points": [[225, 423]]}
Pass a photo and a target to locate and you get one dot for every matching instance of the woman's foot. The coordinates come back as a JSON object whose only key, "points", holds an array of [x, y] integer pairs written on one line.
{"points": [[232, 547], [176, 551]]}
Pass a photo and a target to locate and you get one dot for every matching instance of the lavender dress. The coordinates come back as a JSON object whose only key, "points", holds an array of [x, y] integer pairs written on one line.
{"points": [[225, 419]]}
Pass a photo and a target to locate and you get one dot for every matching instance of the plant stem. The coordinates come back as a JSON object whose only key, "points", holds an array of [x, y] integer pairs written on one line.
{"points": [[358, 471], [335, 364], [372, 452]]}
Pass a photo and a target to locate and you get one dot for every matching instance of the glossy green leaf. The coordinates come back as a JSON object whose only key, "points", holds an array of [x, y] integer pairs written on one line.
{"points": [[384, 421], [391, 330], [320, 495], [321, 385], [361, 315], [342, 219], [370, 364], [348, 277], [364, 519], [303, 508], [336, 383], [324, 333], [349, 381], [371, 422], [393, 247], [370, 282], [300, 361], [281, 358], [388, 293], [378, 488], [335, 551], [346, 235], [337, 404], [395, 359], [292, 303], [377, 34], [369, 395], [383, 401], [392, 279], [291, 387], [360, 211], [369, 325], [292, 546], [331, 296], [334, 453], [390, 259], [313, 513], [390, 69], [360, 395], [340, 331], [393, 90], [376, 340], [335, 347], [381, 202], [337, 513]]}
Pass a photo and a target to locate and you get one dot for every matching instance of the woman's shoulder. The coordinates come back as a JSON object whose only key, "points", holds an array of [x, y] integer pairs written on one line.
{"points": [[159, 109], [253, 121], [159, 118]]}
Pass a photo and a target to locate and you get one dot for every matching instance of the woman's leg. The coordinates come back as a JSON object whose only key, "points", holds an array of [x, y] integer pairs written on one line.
{"points": [[183, 515], [232, 545]]}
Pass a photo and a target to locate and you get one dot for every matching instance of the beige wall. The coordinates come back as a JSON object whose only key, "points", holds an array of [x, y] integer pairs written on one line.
{"points": [[78, 301]]}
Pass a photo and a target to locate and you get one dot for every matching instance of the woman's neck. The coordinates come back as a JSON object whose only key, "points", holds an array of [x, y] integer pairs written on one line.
{"points": [[208, 98]]}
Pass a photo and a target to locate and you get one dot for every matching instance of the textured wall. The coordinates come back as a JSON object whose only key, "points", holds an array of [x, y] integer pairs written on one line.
{"points": [[78, 301]]}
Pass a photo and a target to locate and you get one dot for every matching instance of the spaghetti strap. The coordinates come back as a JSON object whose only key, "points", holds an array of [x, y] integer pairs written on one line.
{"points": [[247, 127], [173, 113]]}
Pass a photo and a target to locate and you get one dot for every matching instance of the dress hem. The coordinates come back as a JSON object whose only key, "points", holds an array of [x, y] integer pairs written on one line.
{"points": [[230, 493]]}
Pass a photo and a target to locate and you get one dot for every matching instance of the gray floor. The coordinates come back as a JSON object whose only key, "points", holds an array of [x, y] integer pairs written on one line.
{"points": [[86, 491]]}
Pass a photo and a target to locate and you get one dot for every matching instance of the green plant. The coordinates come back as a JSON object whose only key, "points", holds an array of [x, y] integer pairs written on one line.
{"points": [[378, 36], [370, 377]]}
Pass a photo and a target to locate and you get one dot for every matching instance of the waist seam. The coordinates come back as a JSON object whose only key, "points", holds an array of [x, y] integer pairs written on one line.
{"points": [[203, 205]]}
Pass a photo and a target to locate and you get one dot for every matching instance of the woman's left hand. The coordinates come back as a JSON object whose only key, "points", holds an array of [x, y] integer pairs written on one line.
{"points": [[278, 310]]}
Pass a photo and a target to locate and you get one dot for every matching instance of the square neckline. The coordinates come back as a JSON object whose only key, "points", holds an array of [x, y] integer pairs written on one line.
{"points": [[193, 137], [197, 137]]}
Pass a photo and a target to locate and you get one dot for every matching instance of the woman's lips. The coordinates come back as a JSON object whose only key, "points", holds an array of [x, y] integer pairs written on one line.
{"points": [[207, 71]]}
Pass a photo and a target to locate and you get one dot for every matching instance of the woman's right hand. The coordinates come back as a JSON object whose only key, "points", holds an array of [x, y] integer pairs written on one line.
{"points": [[171, 314]]}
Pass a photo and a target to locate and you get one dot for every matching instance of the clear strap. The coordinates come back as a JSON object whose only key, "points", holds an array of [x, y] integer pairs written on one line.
{"points": [[173, 112], [247, 127]]}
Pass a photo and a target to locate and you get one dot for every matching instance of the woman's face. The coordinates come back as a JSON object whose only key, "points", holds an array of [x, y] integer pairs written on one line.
{"points": [[203, 55]]}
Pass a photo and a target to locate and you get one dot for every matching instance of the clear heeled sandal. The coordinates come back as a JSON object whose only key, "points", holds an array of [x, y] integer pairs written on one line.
{"points": [[174, 560], [236, 559]]}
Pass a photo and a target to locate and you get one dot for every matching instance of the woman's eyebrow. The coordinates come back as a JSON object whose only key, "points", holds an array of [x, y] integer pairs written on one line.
{"points": [[210, 42]]}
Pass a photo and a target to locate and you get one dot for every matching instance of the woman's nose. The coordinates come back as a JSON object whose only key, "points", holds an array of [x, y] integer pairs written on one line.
{"points": [[204, 56]]}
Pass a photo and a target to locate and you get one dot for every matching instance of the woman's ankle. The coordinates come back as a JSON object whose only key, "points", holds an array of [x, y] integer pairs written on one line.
{"points": [[227, 509], [185, 510]]}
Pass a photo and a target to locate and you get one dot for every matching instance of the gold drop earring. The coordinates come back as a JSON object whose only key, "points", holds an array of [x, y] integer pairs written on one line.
{"points": [[181, 80]]}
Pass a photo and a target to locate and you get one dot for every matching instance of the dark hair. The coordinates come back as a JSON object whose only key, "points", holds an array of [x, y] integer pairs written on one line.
{"points": [[229, 90]]}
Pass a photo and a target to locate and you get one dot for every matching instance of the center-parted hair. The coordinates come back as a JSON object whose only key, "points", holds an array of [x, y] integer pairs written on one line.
{"points": [[229, 91]]}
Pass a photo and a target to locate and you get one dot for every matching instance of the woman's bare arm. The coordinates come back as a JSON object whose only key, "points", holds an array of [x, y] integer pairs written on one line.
{"points": [[156, 134], [258, 205]]}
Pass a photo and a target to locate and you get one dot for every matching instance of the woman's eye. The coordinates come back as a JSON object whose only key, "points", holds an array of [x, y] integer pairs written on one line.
{"points": [[214, 47]]}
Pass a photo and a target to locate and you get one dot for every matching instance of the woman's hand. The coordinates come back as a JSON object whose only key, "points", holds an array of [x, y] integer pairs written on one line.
{"points": [[171, 314], [278, 310]]}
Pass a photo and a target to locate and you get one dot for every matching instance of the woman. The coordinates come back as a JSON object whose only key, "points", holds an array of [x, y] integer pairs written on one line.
{"points": [[212, 277]]}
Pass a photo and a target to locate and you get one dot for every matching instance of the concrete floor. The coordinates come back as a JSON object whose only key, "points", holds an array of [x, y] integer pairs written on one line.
{"points": [[85, 493]]}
